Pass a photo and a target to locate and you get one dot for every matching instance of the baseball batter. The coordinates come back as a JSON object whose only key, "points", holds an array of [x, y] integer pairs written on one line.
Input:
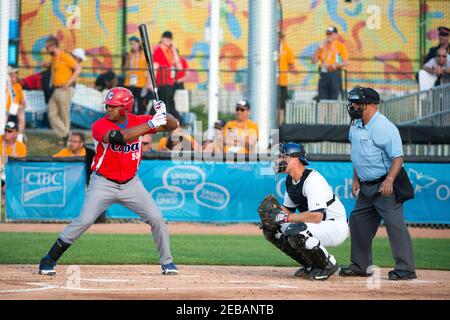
{"points": [[322, 221], [117, 138]]}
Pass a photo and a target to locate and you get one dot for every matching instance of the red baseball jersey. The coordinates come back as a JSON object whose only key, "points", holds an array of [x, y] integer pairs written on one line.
{"points": [[117, 162]]}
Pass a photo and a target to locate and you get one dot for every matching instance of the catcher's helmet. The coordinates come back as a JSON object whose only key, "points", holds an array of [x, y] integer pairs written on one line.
{"points": [[290, 149], [119, 96]]}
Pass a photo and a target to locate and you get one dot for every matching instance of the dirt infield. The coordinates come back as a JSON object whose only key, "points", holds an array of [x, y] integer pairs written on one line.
{"points": [[190, 228], [209, 282]]}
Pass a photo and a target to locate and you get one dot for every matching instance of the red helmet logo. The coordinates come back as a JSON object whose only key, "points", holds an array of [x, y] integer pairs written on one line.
{"points": [[120, 96]]}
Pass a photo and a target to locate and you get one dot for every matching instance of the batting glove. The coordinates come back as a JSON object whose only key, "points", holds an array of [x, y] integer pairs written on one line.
{"points": [[159, 119], [278, 218], [160, 107]]}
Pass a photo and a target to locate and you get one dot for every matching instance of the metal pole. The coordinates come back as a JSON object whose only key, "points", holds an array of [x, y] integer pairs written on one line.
{"points": [[262, 59], [213, 79], [4, 35]]}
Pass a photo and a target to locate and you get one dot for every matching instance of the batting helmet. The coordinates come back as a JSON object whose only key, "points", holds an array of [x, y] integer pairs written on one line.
{"points": [[119, 96]]}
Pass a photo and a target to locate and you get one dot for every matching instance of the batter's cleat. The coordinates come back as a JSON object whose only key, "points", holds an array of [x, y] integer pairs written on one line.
{"points": [[401, 275], [325, 273], [303, 272], [349, 272], [47, 266], [169, 269]]}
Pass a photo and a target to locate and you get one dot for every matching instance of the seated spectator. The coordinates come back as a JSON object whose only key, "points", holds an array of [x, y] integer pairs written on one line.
{"points": [[75, 146], [106, 81], [147, 142], [15, 102], [178, 140], [241, 135], [444, 42], [436, 71], [213, 143], [10, 147]]}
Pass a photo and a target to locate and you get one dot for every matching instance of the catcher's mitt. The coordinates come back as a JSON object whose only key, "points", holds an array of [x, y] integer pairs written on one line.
{"points": [[269, 205]]}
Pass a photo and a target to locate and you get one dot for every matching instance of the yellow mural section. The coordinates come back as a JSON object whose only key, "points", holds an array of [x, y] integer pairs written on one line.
{"points": [[382, 36]]}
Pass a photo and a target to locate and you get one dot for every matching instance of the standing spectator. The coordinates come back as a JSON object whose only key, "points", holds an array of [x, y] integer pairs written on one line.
{"points": [[180, 75], [241, 135], [438, 67], [10, 147], [332, 58], [285, 64], [79, 54], [15, 102], [165, 61], [64, 72], [444, 42], [75, 146], [377, 157], [137, 77]]}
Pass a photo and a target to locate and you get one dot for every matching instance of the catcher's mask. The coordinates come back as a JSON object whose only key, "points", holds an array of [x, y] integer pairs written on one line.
{"points": [[360, 96], [281, 153]]}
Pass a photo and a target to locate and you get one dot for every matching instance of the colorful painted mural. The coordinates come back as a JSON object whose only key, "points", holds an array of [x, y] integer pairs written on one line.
{"points": [[382, 36]]}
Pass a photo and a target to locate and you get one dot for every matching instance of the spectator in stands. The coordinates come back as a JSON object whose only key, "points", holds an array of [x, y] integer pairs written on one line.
{"points": [[180, 75], [75, 146], [79, 54], [214, 143], [64, 72], [444, 42], [439, 67], [241, 135], [147, 143], [10, 147], [178, 139], [106, 81], [165, 61], [285, 64], [15, 102], [137, 77], [332, 57]]}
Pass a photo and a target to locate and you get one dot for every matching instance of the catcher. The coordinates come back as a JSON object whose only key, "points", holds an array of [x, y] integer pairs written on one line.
{"points": [[322, 220]]}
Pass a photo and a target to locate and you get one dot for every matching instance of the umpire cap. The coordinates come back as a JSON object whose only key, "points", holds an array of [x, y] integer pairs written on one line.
{"points": [[363, 95]]}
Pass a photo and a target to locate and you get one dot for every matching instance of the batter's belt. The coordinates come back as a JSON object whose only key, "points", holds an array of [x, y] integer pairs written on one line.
{"points": [[112, 180]]}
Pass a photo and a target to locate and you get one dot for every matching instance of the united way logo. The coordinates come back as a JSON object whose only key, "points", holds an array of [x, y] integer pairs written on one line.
{"points": [[43, 187]]}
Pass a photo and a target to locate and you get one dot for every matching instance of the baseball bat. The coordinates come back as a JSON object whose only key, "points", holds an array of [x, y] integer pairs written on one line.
{"points": [[148, 56]]}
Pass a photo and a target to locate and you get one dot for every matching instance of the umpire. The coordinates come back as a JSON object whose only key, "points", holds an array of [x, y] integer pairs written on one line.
{"points": [[377, 157]]}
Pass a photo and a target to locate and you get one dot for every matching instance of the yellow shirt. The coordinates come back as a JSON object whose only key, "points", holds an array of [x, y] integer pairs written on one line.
{"points": [[241, 132], [19, 150], [334, 52], [62, 68], [17, 92], [286, 58], [136, 78], [163, 143], [66, 152]]}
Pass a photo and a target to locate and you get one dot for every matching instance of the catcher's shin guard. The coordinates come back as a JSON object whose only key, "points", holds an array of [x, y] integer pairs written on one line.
{"points": [[282, 244]]}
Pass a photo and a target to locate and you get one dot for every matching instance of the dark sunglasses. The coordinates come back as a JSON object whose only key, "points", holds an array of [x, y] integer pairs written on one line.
{"points": [[443, 34], [241, 109], [146, 143], [442, 55]]}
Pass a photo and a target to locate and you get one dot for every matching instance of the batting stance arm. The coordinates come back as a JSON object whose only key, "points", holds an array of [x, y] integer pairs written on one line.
{"points": [[131, 134]]}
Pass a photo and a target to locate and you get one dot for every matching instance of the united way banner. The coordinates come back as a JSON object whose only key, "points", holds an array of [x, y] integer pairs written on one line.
{"points": [[220, 192], [44, 190]]}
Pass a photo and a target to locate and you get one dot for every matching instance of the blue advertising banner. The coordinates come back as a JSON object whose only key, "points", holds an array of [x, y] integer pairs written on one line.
{"points": [[221, 192], [44, 190], [206, 192]]}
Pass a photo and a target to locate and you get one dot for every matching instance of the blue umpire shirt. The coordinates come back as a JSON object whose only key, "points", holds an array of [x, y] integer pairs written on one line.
{"points": [[374, 146]]}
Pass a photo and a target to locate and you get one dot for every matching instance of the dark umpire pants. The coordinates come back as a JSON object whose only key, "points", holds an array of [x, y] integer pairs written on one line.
{"points": [[330, 84], [365, 219]]}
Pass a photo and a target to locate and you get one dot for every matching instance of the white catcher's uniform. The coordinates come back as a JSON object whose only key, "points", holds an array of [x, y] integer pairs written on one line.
{"points": [[317, 194]]}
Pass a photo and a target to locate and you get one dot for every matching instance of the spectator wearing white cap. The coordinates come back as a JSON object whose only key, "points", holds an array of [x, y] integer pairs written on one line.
{"points": [[79, 54]]}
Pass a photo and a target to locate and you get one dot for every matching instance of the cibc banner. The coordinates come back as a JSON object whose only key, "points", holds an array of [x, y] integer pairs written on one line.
{"points": [[44, 190], [206, 192]]}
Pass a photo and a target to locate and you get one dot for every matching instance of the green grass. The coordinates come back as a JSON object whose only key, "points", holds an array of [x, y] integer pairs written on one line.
{"points": [[25, 248]]}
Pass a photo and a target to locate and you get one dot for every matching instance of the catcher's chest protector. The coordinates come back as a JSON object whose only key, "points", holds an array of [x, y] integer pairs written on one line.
{"points": [[295, 191]]}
